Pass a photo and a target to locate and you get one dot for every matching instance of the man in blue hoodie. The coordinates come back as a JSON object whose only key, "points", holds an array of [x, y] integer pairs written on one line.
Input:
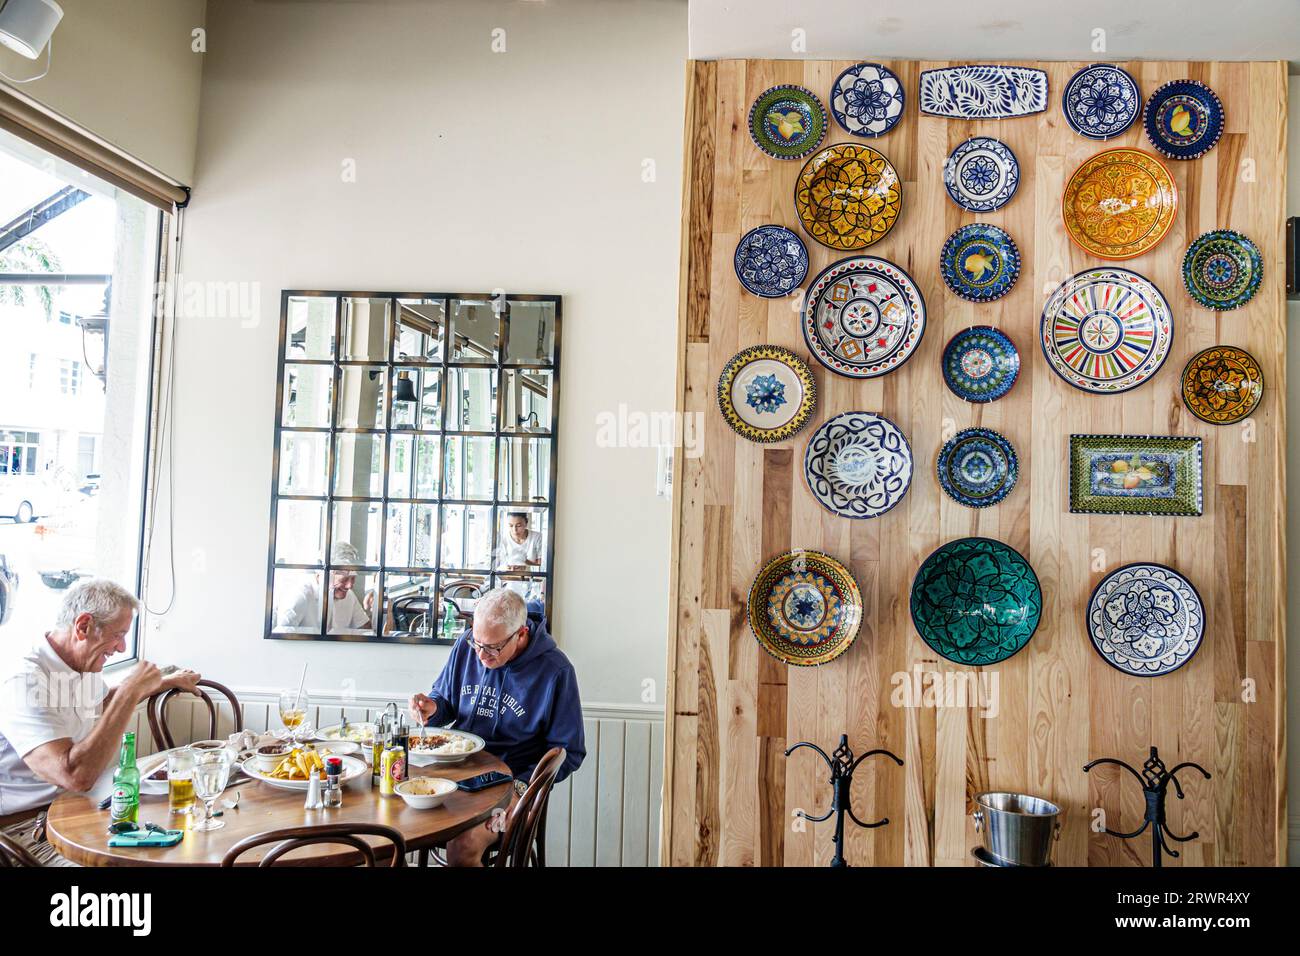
{"points": [[507, 682]]}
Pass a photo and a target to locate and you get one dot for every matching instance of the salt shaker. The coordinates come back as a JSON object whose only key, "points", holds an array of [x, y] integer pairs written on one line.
{"points": [[333, 789], [313, 801]]}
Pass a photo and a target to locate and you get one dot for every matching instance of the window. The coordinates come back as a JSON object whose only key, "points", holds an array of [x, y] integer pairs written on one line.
{"points": [[76, 373], [414, 458]]}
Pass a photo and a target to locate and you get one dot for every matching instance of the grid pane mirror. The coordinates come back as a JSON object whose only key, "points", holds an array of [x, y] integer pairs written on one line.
{"points": [[415, 453]]}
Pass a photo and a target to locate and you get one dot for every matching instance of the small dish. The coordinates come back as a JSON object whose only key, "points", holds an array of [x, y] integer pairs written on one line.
{"points": [[1222, 269], [787, 122], [980, 364], [804, 608], [977, 467], [1146, 619], [858, 465], [867, 99], [425, 793], [1101, 101], [1222, 384], [980, 262], [771, 261], [766, 393], [981, 174], [1183, 119]]}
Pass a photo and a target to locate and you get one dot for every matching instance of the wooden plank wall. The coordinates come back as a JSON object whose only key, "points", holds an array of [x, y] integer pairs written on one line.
{"points": [[730, 794]]}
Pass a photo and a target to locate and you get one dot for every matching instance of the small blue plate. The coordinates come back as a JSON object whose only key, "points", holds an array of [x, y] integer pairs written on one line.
{"points": [[981, 174], [1183, 119], [1101, 101], [980, 262], [980, 364], [867, 99], [771, 261], [978, 467]]}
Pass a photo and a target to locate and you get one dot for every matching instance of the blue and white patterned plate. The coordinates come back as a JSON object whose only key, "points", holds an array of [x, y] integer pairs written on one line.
{"points": [[766, 393], [980, 364], [981, 174], [983, 91], [771, 261], [1146, 619], [858, 465], [1183, 119], [1101, 101], [867, 99], [980, 262], [977, 467]]}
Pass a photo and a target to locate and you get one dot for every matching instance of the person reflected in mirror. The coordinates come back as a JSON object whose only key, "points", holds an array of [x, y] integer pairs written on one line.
{"points": [[521, 547], [346, 613]]}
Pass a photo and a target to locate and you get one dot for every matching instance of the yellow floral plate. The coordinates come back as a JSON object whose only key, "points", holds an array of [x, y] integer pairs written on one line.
{"points": [[805, 608], [1119, 204], [848, 196], [1222, 385]]}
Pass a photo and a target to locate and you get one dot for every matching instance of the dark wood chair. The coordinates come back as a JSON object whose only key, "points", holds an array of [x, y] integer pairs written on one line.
{"points": [[13, 854], [520, 845], [338, 834], [156, 711]]}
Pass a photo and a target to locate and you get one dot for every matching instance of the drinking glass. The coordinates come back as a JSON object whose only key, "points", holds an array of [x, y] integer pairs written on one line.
{"points": [[180, 780], [211, 772], [293, 713]]}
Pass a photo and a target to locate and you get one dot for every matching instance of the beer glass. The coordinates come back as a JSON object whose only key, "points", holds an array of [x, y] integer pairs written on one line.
{"points": [[180, 780]]}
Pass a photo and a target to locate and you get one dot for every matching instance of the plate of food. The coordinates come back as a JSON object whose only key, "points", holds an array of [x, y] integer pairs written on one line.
{"points": [[293, 772], [153, 769], [359, 733], [437, 745]]}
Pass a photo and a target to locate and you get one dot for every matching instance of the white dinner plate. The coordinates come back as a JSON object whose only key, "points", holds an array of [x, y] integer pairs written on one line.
{"points": [[353, 767], [428, 759]]}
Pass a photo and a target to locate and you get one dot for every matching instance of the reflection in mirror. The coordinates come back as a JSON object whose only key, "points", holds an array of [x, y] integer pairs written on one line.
{"points": [[416, 398], [413, 466], [525, 469], [300, 532], [308, 391], [526, 402], [468, 467], [358, 465], [357, 533], [474, 409], [526, 586], [410, 608], [419, 329], [365, 330], [531, 333], [309, 332], [297, 601], [303, 463], [521, 540], [475, 328], [351, 598], [467, 537], [411, 533], [361, 396]]}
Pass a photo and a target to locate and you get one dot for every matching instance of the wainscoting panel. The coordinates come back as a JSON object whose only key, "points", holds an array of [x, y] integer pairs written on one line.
{"points": [[606, 814]]}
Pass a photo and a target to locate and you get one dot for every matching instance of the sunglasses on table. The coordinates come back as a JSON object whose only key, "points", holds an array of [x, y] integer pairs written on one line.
{"points": [[126, 826]]}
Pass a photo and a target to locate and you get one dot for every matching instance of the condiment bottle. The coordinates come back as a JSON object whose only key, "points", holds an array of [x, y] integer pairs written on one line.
{"points": [[333, 789], [313, 801]]}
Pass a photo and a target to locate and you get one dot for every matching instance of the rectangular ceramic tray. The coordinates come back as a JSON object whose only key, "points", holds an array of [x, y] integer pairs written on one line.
{"points": [[1135, 475]]}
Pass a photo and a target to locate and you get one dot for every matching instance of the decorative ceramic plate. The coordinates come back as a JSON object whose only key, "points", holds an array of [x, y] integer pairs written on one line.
{"points": [[1222, 269], [983, 92], [848, 196], [771, 261], [1222, 385], [980, 364], [867, 99], [1106, 330], [976, 601], [804, 608], [858, 465], [977, 467], [766, 393], [1135, 475], [981, 174], [863, 317], [787, 122], [1183, 119], [980, 262], [1101, 101], [1119, 204], [1146, 619]]}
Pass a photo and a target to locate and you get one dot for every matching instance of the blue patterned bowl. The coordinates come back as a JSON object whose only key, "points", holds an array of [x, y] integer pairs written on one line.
{"points": [[1222, 269], [977, 467], [1146, 619], [867, 99], [980, 262], [980, 364], [982, 174], [858, 465], [1101, 101], [771, 261], [1183, 119]]}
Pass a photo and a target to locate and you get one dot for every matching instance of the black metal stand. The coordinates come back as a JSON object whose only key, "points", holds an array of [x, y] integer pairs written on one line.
{"points": [[842, 764], [1155, 780]]}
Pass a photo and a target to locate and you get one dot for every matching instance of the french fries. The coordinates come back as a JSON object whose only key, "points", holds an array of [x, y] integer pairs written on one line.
{"points": [[298, 765]]}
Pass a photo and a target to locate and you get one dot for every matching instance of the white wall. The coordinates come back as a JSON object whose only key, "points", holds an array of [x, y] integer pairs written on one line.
{"points": [[125, 70], [474, 169]]}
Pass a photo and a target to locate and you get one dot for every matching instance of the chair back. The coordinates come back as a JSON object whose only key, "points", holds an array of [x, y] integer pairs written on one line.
{"points": [[14, 854], [522, 827], [414, 611], [156, 711], [455, 590], [339, 834]]}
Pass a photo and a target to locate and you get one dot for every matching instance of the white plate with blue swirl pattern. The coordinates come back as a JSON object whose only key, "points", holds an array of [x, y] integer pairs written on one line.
{"points": [[858, 465]]}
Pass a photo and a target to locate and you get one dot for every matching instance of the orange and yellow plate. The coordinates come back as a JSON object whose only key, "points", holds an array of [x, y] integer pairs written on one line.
{"points": [[1119, 204], [1222, 384], [848, 196]]}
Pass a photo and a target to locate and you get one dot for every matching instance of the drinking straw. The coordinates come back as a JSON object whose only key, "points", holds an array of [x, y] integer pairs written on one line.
{"points": [[301, 683]]}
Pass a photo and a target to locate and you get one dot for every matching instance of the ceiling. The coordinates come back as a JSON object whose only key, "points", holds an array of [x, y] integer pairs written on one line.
{"points": [[1005, 29]]}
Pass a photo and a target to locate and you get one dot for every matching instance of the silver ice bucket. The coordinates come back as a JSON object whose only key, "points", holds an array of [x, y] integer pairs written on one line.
{"points": [[1018, 829]]}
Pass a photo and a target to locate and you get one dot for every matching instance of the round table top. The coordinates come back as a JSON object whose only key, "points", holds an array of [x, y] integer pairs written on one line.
{"points": [[78, 829]]}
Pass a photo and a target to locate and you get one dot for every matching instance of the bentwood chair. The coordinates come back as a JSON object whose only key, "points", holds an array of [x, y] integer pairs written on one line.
{"points": [[14, 854], [156, 711], [339, 834]]}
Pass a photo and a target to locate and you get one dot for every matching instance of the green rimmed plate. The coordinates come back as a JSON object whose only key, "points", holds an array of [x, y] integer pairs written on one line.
{"points": [[766, 393], [804, 608], [787, 122], [1135, 475]]}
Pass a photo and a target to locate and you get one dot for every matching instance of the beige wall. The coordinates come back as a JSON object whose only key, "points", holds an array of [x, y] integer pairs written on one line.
{"points": [[125, 70], [474, 169]]}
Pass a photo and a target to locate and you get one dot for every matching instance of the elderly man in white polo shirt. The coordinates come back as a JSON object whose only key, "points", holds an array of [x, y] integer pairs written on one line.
{"points": [[60, 727]]}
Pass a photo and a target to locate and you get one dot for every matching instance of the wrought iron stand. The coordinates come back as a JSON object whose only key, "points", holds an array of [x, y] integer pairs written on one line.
{"points": [[842, 764], [1155, 780]]}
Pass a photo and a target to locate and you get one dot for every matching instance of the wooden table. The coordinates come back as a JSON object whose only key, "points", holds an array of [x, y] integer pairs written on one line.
{"points": [[78, 829]]}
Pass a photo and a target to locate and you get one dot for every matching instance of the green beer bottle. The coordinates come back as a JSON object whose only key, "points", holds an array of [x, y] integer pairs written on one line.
{"points": [[125, 805]]}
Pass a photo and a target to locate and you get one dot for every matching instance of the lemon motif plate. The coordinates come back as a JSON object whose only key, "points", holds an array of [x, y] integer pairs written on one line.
{"points": [[848, 196], [1222, 384], [1119, 204], [787, 122], [804, 608], [766, 393]]}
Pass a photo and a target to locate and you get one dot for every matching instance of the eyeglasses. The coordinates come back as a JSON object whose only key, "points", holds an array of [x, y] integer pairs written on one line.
{"points": [[126, 826], [492, 650]]}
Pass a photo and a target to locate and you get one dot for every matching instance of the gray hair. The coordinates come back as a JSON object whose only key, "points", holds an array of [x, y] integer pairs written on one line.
{"points": [[501, 608], [101, 598], [344, 553]]}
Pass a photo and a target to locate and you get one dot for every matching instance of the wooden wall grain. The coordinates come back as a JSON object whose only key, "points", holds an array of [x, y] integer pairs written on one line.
{"points": [[730, 794]]}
